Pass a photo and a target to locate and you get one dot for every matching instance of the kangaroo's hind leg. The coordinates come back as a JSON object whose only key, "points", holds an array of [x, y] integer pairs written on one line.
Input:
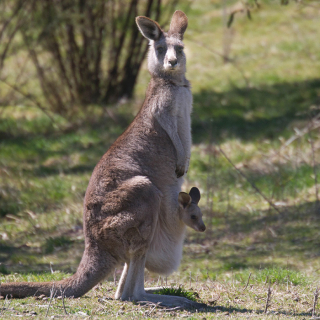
{"points": [[122, 281], [134, 287], [137, 224], [139, 238]]}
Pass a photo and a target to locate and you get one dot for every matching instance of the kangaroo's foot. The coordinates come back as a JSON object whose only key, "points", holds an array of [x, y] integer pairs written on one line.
{"points": [[133, 289]]}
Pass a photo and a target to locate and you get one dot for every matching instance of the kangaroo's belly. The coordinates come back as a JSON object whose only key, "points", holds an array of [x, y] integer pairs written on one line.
{"points": [[165, 251]]}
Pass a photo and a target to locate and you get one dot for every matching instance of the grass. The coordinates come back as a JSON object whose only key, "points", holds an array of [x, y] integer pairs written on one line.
{"points": [[250, 108], [180, 292], [235, 295]]}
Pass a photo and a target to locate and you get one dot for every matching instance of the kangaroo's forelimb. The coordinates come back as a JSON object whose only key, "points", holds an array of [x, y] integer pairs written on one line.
{"points": [[171, 128]]}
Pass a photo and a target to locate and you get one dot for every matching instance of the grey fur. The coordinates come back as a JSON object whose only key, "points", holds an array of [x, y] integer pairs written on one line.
{"points": [[131, 210]]}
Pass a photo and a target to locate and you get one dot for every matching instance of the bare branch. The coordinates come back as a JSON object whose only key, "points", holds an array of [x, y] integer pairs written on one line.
{"points": [[14, 13], [247, 282], [250, 182], [268, 298], [33, 100], [316, 295]]}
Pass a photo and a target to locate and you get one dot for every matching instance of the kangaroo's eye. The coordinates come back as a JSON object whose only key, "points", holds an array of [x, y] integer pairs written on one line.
{"points": [[193, 217], [179, 49], [160, 49]]}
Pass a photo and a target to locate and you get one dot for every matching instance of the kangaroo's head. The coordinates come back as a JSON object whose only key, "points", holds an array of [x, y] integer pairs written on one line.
{"points": [[191, 214], [166, 56]]}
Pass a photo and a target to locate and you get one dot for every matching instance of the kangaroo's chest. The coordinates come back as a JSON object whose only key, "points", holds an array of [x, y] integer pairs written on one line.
{"points": [[182, 103]]}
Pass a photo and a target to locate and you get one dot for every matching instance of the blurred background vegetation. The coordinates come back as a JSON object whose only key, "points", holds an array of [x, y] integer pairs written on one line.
{"points": [[72, 77]]}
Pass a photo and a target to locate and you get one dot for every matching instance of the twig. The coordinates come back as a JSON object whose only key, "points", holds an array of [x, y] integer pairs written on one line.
{"points": [[247, 282], [37, 103], [316, 295], [150, 311], [149, 303], [101, 300], [313, 162], [225, 59], [4, 304], [251, 183], [268, 298], [52, 295], [5, 307], [115, 276], [171, 309], [300, 133], [287, 277], [232, 277], [62, 294]]}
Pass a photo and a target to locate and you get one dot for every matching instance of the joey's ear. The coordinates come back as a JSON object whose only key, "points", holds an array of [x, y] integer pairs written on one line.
{"points": [[179, 23], [149, 28], [184, 199], [195, 195]]}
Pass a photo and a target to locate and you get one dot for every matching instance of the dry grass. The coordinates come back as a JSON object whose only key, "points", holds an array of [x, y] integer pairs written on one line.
{"points": [[261, 109], [225, 296]]}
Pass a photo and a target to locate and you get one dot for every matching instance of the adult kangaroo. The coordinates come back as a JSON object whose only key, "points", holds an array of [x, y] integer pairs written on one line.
{"points": [[131, 203]]}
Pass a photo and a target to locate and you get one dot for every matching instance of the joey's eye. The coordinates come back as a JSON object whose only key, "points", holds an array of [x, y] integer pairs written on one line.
{"points": [[193, 217], [160, 49]]}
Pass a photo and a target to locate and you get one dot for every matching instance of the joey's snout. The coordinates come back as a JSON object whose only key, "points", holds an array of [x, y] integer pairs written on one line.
{"points": [[199, 225]]}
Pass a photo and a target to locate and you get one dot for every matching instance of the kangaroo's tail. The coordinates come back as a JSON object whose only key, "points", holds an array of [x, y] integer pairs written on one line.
{"points": [[93, 268]]}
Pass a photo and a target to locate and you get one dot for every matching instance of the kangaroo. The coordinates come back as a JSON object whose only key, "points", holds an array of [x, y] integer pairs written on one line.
{"points": [[131, 198], [188, 214]]}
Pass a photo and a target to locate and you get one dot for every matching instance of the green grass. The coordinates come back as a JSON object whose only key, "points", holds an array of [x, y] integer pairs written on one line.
{"points": [[249, 107], [180, 292], [230, 294]]}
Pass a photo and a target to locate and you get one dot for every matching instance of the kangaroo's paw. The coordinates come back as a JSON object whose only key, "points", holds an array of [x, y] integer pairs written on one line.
{"points": [[180, 170]]}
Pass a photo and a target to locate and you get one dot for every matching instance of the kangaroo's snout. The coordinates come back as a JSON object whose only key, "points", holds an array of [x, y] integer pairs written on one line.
{"points": [[173, 62]]}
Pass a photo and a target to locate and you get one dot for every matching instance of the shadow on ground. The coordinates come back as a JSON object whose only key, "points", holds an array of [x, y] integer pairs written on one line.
{"points": [[241, 240], [253, 113], [249, 114]]}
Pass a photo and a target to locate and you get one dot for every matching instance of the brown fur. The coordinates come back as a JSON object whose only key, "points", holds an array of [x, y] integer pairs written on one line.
{"points": [[131, 203]]}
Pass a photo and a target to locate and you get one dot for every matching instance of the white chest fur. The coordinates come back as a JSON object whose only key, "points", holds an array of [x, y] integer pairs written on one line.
{"points": [[165, 251], [172, 109]]}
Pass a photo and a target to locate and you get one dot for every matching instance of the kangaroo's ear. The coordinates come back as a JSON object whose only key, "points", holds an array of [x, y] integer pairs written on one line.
{"points": [[184, 199], [150, 29], [179, 23], [195, 194]]}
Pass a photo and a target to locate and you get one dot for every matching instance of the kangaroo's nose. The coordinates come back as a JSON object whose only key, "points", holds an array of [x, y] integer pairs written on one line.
{"points": [[173, 62]]}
